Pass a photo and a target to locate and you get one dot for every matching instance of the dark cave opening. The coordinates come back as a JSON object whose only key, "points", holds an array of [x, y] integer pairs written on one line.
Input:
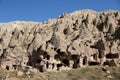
{"points": [[41, 69], [7, 68], [95, 56], [56, 57], [47, 65], [76, 65], [15, 66], [105, 63], [85, 60], [59, 65], [110, 56], [94, 63], [66, 62], [48, 57], [53, 65], [38, 60], [35, 59], [75, 57], [60, 52]]}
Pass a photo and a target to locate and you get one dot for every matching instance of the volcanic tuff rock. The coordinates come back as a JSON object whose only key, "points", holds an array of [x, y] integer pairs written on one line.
{"points": [[70, 41]]}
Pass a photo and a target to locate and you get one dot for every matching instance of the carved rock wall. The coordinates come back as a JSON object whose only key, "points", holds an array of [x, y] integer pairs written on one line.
{"points": [[69, 41]]}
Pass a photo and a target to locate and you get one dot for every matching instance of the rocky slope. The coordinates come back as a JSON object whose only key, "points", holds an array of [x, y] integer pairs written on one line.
{"points": [[75, 40]]}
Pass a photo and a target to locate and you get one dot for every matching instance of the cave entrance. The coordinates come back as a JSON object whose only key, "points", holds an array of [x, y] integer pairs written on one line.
{"points": [[66, 62], [75, 57], [46, 56], [94, 63], [41, 69], [61, 54], [95, 56], [47, 65], [106, 63], [36, 60], [112, 63], [76, 64], [101, 54], [110, 56], [85, 60], [7, 68], [15, 66], [59, 65]]}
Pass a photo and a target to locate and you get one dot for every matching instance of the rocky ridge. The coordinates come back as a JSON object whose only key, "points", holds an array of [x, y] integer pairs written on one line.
{"points": [[82, 38]]}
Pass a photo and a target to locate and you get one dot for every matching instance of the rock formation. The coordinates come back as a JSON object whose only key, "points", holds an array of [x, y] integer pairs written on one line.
{"points": [[82, 38]]}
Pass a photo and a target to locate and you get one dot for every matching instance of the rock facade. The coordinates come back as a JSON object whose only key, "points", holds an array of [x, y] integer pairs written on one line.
{"points": [[82, 38]]}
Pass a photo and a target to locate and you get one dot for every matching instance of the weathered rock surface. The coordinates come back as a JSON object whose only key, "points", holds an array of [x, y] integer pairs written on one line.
{"points": [[70, 41]]}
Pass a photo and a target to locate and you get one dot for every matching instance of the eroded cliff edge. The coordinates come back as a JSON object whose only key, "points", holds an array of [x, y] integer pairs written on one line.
{"points": [[82, 38]]}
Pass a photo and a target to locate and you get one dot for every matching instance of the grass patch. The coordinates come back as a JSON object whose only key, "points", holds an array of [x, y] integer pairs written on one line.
{"points": [[87, 73]]}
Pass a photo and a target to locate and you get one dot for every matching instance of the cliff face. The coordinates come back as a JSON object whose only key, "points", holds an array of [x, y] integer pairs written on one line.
{"points": [[70, 41]]}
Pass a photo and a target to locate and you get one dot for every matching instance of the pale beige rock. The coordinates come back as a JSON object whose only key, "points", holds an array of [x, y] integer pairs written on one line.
{"points": [[5, 37], [108, 72], [109, 76], [1, 50], [20, 73], [71, 41]]}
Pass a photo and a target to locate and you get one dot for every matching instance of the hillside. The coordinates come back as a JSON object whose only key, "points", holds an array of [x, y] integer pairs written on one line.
{"points": [[71, 41]]}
